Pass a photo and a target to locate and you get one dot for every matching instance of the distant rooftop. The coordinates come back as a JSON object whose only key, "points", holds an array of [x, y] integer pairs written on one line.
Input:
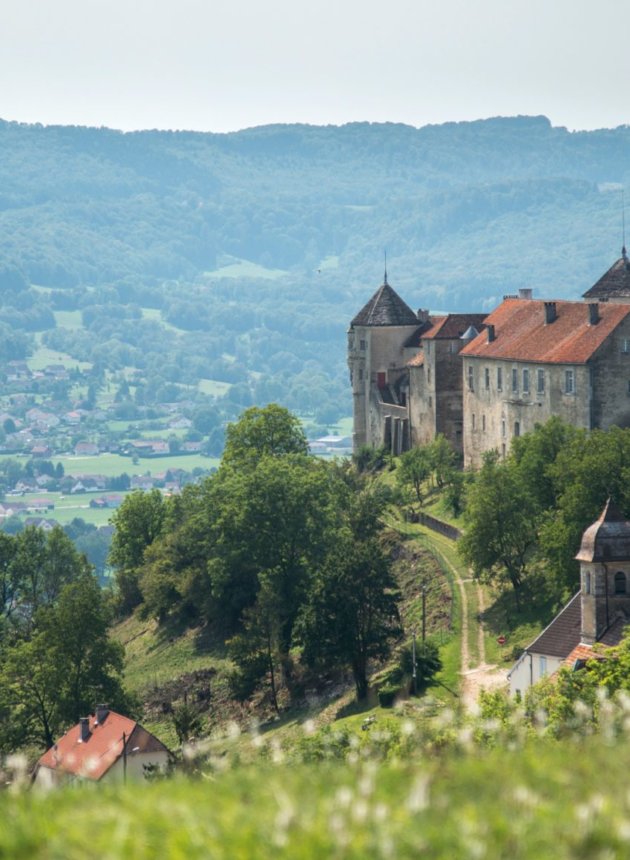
{"points": [[385, 308]]}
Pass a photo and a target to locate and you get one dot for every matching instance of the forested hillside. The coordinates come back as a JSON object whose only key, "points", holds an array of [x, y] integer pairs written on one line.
{"points": [[263, 243]]}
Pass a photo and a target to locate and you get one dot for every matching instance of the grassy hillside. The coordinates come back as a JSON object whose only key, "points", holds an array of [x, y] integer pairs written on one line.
{"points": [[543, 801]]}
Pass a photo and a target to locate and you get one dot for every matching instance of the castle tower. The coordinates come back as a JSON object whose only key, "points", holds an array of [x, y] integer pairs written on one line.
{"points": [[376, 360], [604, 558]]}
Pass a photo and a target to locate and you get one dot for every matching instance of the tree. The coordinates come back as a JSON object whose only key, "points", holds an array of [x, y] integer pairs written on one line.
{"points": [[414, 467], [55, 676], [500, 524], [272, 430], [442, 458], [352, 614], [138, 522]]}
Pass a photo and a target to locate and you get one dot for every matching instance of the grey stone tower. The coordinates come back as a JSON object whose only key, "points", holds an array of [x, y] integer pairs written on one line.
{"points": [[604, 558], [377, 364]]}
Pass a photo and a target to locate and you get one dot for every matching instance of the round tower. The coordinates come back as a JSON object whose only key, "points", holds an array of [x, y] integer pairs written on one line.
{"points": [[376, 340]]}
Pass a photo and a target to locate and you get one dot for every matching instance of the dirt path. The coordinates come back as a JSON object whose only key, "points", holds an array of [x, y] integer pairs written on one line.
{"points": [[482, 676]]}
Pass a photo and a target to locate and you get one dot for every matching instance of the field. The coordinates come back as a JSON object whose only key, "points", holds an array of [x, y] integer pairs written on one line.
{"points": [[112, 465], [563, 801], [68, 507]]}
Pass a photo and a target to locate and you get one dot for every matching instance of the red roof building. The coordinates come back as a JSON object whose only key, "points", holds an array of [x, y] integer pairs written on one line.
{"points": [[104, 746], [536, 359]]}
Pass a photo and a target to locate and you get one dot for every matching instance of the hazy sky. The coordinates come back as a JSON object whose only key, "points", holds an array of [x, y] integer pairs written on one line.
{"points": [[219, 65]]}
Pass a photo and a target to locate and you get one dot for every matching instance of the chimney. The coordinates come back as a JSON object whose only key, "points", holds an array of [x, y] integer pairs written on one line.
{"points": [[525, 293], [490, 331], [593, 313], [550, 312], [423, 315], [84, 729], [101, 714]]}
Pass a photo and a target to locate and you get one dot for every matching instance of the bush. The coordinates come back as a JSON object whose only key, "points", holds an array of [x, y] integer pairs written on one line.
{"points": [[387, 694]]}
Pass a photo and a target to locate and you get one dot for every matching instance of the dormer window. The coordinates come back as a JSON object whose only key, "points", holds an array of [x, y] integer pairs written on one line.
{"points": [[620, 582]]}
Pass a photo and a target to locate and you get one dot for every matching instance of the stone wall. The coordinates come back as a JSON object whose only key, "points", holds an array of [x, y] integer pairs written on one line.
{"points": [[496, 410]]}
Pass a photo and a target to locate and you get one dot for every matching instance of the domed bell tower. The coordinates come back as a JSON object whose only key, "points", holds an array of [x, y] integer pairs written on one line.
{"points": [[604, 558]]}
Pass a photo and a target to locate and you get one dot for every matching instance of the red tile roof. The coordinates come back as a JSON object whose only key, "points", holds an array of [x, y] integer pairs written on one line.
{"points": [[522, 335], [94, 757], [582, 653], [453, 325]]}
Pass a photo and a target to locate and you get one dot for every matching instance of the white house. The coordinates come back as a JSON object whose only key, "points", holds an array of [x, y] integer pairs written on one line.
{"points": [[104, 747], [599, 612]]}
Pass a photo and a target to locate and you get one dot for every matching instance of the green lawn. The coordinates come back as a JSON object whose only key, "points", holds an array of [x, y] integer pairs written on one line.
{"points": [[44, 356], [112, 465], [68, 319], [68, 507], [214, 387]]}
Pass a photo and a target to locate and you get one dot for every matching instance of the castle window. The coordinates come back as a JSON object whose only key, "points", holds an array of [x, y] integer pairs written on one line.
{"points": [[620, 582], [503, 428], [471, 378], [487, 377], [483, 422], [360, 374], [625, 345], [473, 421], [499, 379], [514, 380], [569, 382], [525, 381], [363, 344], [540, 381], [517, 428], [587, 582], [428, 374]]}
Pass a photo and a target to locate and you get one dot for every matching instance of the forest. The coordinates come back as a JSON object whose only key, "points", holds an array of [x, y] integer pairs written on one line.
{"points": [[242, 257]]}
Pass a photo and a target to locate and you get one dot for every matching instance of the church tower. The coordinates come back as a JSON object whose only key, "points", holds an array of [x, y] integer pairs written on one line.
{"points": [[377, 364], [604, 558]]}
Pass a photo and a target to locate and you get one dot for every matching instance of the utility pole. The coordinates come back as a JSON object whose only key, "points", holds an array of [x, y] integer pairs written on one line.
{"points": [[124, 740], [414, 673], [424, 613]]}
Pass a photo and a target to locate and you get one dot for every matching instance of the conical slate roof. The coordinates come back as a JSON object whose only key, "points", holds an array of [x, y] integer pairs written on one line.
{"points": [[608, 539], [385, 308], [615, 283]]}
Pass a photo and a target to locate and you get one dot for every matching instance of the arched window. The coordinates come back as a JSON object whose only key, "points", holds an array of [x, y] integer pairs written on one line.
{"points": [[620, 582]]}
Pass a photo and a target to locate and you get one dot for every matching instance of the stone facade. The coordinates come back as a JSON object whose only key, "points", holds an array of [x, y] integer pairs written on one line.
{"points": [[482, 380], [528, 367], [598, 613]]}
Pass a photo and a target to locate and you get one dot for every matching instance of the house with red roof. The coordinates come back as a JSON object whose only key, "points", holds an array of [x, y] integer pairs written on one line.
{"points": [[104, 747], [537, 359]]}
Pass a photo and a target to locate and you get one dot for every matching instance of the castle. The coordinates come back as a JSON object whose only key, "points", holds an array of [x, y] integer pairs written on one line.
{"points": [[481, 380]]}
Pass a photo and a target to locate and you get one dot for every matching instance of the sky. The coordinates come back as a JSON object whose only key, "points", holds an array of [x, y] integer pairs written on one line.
{"points": [[223, 65]]}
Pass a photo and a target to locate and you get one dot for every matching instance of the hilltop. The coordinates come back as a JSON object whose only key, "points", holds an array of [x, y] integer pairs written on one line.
{"points": [[261, 244]]}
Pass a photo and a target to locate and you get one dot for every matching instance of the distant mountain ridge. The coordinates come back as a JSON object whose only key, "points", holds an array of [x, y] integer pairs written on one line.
{"points": [[278, 232]]}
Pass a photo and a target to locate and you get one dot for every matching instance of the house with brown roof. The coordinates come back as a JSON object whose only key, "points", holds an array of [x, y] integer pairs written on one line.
{"points": [[104, 747], [598, 613], [537, 359]]}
